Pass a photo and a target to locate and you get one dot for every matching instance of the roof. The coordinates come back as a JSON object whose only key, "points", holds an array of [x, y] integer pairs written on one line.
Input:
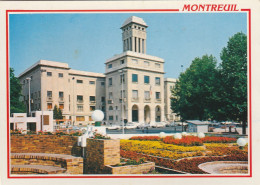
{"points": [[85, 73], [170, 80], [197, 122], [134, 19]]}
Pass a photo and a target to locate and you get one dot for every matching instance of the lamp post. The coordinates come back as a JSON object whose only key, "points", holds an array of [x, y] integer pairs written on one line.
{"points": [[29, 103], [73, 112], [241, 142]]}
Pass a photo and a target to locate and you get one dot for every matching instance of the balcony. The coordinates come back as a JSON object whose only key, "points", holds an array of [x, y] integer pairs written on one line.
{"points": [[147, 100], [61, 99], [49, 98], [120, 100], [158, 100], [80, 101], [136, 99], [92, 102]]}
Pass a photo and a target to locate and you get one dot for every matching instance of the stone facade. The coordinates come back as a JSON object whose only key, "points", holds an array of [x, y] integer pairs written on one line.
{"points": [[132, 87], [131, 169]]}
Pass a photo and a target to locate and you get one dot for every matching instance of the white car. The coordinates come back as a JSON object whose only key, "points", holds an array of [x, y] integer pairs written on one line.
{"points": [[114, 127], [130, 125], [158, 125], [143, 126]]}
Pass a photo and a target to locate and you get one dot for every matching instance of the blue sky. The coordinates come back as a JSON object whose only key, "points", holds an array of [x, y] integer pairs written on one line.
{"points": [[85, 41]]}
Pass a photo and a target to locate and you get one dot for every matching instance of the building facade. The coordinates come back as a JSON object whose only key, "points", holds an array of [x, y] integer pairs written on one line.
{"points": [[132, 89]]}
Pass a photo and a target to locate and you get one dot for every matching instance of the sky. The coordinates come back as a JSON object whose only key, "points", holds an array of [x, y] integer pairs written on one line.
{"points": [[86, 40]]}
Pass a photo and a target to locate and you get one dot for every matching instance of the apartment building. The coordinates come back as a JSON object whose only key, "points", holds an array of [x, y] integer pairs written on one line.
{"points": [[132, 89]]}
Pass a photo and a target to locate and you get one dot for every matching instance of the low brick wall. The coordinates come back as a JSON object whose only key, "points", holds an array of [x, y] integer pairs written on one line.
{"points": [[130, 169], [73, 165], [100, 153], [45, 144]]}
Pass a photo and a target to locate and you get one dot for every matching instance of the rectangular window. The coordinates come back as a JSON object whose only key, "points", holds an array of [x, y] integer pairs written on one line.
{"points": [[79, 98], [80, 118], [135, 94], [45, 119], [135, 61], [111, 118], [102, 83], [146, 79], [109, 66], [39, 93], [157, 80], [79, 81], [61, 106], [49, 106], [122, 78], [110, 95], [146, 63], [49, 94], [147, 95], [80, 108], [61, 94], [91, 82], [90, 118], [158, 95], [110, 81], [92, 108], [49, 73], [103, 99], [122, 61], [60, 75], [134, 78], [92, 98], [122, 94], [157, 65]]}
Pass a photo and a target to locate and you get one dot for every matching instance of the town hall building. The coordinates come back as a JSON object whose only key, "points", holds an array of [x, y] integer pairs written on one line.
{"points": [[133, 87]]}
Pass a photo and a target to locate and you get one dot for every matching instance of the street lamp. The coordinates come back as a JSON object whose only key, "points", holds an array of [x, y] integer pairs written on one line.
{"points": [[97, 116], [29, 103], [122, 106]]}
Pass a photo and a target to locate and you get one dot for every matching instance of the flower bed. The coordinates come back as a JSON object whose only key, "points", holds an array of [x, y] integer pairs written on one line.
{"points": [[146, 138]]}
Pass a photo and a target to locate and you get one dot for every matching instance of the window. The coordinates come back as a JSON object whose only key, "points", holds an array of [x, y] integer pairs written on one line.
{"points": [[39, 93], [110, 95], [79, 81], [146, 79], [134, 78], [31, 77], [80, 98], [103, 99], [60, 75], [135, 61], [49, 105], [49, 73], [92, 108], [90, 118], [122, 78], [61, 94], [110, 108], [116, 118], [102, 83], [80, 118], [49, 94], [147, 95], [158, 95], [146, 63], [157, 81], [157, 65], [91, 82], [80, 108], [92, 98], [135, 94], [109, 66], [110, 81], [122, 61], [122, 94], [61, 106], [111, 118]]}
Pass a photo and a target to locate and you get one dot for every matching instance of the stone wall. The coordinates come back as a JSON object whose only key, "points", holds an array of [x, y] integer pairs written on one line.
{"points": [[100, 153], [131, 169], [45, 144]]}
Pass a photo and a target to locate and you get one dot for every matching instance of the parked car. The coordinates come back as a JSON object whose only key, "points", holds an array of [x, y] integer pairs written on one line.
{"points": [[143, 126], [130, 125], [158, 125], [113, 127]]}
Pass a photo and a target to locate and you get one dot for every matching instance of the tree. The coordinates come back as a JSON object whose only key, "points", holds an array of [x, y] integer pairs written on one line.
{"points": [[57, 114], [16, 106], [234, 79], [194, 95]]}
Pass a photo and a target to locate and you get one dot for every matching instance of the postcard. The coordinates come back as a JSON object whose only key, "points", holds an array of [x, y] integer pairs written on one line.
{"points": [[129, 92]]}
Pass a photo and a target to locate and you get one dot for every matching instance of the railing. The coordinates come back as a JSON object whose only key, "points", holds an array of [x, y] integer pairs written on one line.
{"points": [[49, 98], [147, 100], [80, 101], [61, 99], [110, 101], [135, 99]]}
